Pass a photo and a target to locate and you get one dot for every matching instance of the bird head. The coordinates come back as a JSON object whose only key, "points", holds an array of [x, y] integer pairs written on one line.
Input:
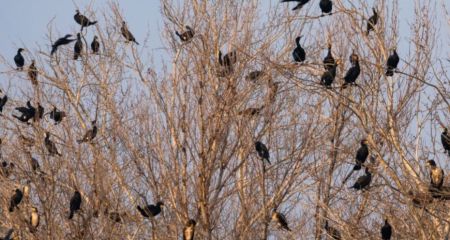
{"points": [[297, 39], [34, 209], [354, 57], [47, 134], [431, 163], [329, 45], [188, 28], [77, 11], [159, 203], [68, 36], [78, 35], [363, 141], [124, 23], [33, 61], [95, 37], [20, 50], [191, 222], [374, 10]]}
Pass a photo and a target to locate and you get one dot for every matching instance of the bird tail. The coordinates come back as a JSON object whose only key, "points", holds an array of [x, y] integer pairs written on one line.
{"points": [[348, 176], [299, 6], [75, 56], [143, 213], [11, 208], [268, 161], [136, 42], [71, 214], [92, 23]]}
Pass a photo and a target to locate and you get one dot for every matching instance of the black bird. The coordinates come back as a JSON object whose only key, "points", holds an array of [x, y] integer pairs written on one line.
{"points": [[299, 53], [332, 232], [262, 150], [19, 60], [35, 164], [127, 34], [15, 200], [373, 20], [328, 76], [62, 41], [299, 5], [392, 63], [57, 115], [33, 73], [254, 76], [95, 45], [75, 203], [228, 60], [363, 181], [353, 72], [90, 134], [386, 230], [360, 158], [3, 101], [326, 6], [150, 210], [78, 47], [187, 35], [280, 219], [436, 174], [189, 230], [28, 112], [82, 20], [50, 145], [445, 139], [328, 61]]}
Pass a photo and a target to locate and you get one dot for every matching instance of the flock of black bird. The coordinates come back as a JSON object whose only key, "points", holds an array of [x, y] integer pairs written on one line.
{"points": [[35, 113]]}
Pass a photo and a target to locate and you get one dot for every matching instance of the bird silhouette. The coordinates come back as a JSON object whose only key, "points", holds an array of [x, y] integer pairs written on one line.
{"points": [[187, 35], [363, 181], [19, 60], [95, 45], [61, 41], [82, 20], [326, 6], [299, 53], [373, 20], [50, 145], [150, 210], [436, 175], [16, 199], [262, 151], [280, 219], [127, 34], [78, 47], [75, 203], [90, 134], [445, 140], [386, 230], [33, 73], [353, 72], [392, 63], [57, 115]]}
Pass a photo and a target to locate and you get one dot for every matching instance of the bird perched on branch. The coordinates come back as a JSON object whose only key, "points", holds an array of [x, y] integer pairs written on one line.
{"points": [[90, 134], [75, 203], [386, 230], [373, 20], [436, 174], [78, 47], [363, 181], [280, 219], [392, 63], [61, 41], [127, 34], [262, 151], [34, 220], [332, 232], [150, 210], [299, 53], [19, 60], [15, 200], [33, 73], [28, 112], [95, 45], [326, 6], [189, 230], [361, 156], [187, 35], [3, 101], [353, 72], [57, 115], [445, 139], [82, 20], [328, 61], [299, 5], [50, 145]]}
